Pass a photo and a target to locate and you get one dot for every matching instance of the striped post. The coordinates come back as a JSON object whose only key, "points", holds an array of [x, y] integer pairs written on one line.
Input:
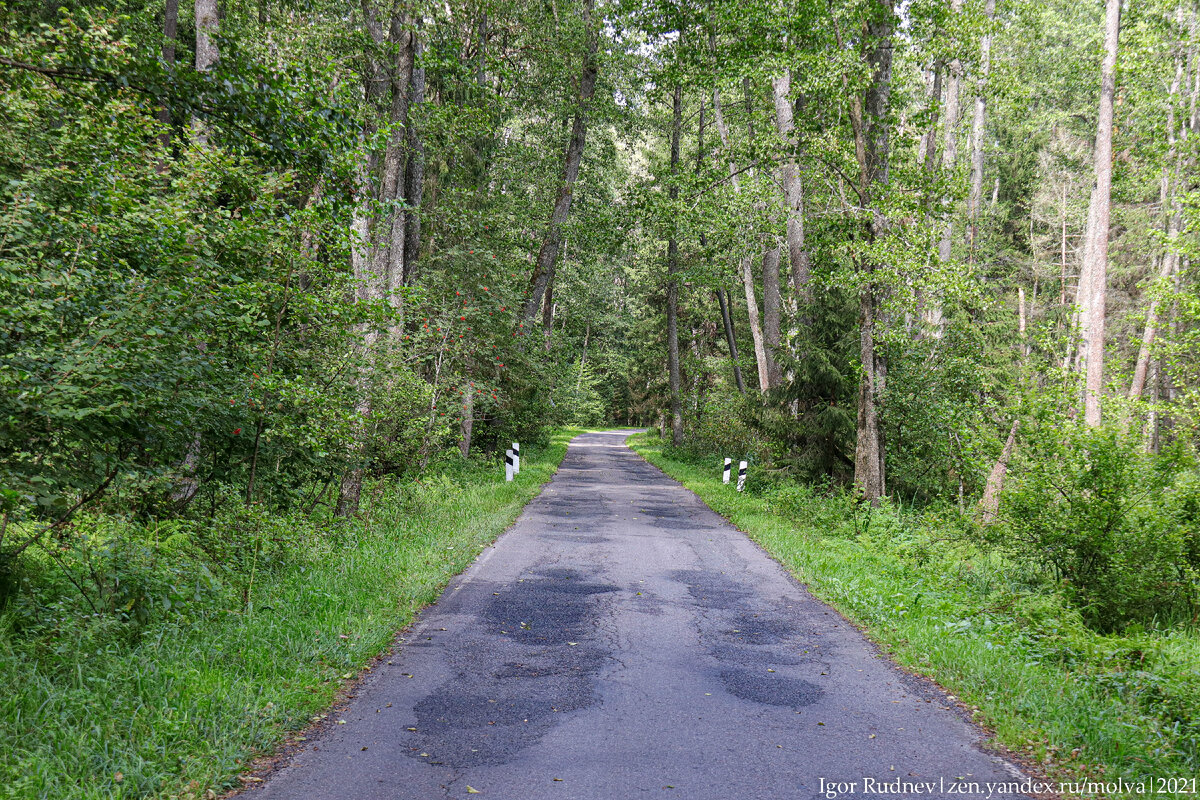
{"points": [[741, 475], [728, 469], [508, 465], [516, 451]]}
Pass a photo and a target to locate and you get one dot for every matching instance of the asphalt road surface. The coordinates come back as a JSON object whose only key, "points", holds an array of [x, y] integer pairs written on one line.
{"points": [[623, 641]]}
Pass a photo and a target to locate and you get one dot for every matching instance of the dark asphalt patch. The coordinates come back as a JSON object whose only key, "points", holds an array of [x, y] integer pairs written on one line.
{"points": [[712, 589], [735, 654], [761, 629], [540, 662], [770, 689]]}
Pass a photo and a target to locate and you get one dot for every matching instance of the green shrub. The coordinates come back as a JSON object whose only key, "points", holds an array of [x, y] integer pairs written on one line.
{"points": [[1114, 527]]}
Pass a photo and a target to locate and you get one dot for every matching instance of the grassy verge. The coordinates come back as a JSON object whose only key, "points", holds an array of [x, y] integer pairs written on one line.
{"points": [[178, 707], [1082, 704]]}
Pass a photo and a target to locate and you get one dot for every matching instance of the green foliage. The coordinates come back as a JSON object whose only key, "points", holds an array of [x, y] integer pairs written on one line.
{"points": [[208, 644], [1115, 525]]}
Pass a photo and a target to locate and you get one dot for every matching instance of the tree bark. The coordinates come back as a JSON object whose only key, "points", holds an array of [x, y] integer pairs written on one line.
{"points": [[747, 262], [366, 289], [414, 180], [672, 281], [989, 504], [772, 316], [391, 227], [731, 340], [793, 192], [206, 57], [206, 27], [468, 421], [1095, 256], [933, 314], [378, 240], [548, 253], [869, 119], [977, 124], [170, 30]]}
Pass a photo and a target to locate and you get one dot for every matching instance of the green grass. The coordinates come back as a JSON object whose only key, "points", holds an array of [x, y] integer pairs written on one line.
{"points": [[185, 705], [1079, 703]]}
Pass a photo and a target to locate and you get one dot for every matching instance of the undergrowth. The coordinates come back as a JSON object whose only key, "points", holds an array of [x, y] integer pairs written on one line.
{"points": [[143, 660]]}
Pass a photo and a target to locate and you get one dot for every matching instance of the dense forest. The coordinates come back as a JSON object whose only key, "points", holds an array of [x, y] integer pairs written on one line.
{"points": [[264, 266]]}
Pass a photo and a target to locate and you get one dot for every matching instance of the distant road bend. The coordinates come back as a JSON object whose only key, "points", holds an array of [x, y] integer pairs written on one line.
{"points": [[624, 641]]}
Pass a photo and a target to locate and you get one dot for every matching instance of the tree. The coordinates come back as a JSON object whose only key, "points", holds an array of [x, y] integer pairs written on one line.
{"points": [[869, 116], [1093, 290]]}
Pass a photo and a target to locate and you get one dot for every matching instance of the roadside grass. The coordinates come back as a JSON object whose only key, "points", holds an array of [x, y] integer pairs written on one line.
{"points": [[180, 707], [1083, 705]]}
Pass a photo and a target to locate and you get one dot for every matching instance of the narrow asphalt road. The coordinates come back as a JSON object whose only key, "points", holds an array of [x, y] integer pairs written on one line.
{"points": [[624, 641]]}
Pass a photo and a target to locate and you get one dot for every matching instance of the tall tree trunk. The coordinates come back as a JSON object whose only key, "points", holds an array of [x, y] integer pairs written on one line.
{"points": [[378, 240], [772, 298], [928, 150], [772, 316], [414, 181], [977, 132], [391, 226], [756, 328], [1095, 254], [548, 311], [747, 262], [170, 30], [468, 420], [571, 160], [933, 313], [869, 119], [793, 190], [366, 289], [731, 340], [672, 281], [1021, 321], [206, 57], [206, 28]]}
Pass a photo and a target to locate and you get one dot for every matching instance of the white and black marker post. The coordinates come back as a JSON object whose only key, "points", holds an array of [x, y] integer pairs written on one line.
{"points": [[508, 465], [741, 475], [516, 453], [728, 469]]}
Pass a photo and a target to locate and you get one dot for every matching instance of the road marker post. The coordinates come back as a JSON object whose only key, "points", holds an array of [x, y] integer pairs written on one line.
{"points": [[516, 451], [741, 476], [728, 469], [508, 465]]}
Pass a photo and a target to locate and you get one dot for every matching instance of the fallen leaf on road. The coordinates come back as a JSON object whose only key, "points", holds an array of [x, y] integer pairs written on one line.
{"points": [[473, 791]]}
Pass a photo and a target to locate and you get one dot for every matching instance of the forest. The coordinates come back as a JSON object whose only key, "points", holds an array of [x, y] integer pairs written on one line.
{"points": [[280, 278]]}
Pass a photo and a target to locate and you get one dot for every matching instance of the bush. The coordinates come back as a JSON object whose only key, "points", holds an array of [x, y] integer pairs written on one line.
{"points": [[1115, 527]]}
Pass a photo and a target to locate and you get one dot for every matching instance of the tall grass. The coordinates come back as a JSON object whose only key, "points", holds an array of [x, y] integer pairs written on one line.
{"points": [[179, 708], [1079, 703]]}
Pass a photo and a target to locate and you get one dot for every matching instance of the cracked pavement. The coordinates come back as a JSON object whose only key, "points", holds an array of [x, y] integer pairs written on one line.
{"points": [[624, 641]]}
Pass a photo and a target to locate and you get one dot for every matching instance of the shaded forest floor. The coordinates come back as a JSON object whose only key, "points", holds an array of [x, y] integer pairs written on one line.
{"points": [[1082, 704], [177, 701]]}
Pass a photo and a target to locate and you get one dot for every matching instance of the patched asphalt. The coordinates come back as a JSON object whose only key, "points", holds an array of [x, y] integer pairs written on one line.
{"points": [[624, 641]]}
